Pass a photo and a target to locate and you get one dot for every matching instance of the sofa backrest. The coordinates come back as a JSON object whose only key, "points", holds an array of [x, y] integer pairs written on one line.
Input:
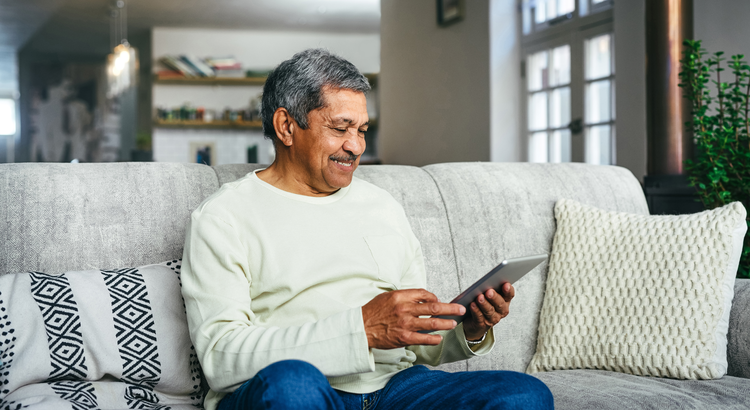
{"points": [[467, 216], [59, 217]]}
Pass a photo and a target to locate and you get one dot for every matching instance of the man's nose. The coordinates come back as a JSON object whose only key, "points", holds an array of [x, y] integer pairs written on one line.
{"points": [[354, 143]]}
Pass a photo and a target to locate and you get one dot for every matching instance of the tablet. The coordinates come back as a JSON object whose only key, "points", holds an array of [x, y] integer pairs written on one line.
{"points": [[508, 271]]}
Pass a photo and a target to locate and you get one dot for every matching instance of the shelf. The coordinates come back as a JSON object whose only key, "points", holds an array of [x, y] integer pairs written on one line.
{"points": [[213, 124], [210, 81], [372, 78]]}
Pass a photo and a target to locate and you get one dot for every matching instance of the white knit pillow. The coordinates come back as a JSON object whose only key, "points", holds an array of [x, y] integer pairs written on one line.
{"points": [[640, 294]]}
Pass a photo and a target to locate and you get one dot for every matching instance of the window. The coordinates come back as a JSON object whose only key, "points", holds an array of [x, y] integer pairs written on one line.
{"points": [[7, 116], [569, 85], [599, 112], [549, 105]]}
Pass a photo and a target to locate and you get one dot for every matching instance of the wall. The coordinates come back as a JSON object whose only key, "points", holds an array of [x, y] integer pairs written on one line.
{"points": [[256, 50], [630, 95], [505, 75], [722, 25], [434, 84]]}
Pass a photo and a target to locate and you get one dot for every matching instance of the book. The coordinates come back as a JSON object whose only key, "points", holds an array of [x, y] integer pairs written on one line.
{"points": [[177, 64], [199, 66]]}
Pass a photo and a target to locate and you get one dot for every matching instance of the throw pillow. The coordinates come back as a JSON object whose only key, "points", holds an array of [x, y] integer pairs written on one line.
{"points": [[640, 294], [114, 339]]}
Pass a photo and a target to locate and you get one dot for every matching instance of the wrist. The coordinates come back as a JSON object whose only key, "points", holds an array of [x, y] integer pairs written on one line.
{"points": [[476, 342]]}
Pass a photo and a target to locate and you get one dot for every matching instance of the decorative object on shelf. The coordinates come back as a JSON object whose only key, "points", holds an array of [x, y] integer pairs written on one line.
{"points": [[721, 170], [449, 12], [202, 152]]}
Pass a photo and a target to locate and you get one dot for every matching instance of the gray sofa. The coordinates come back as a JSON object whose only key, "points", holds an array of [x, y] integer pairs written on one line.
{"points": [[468, 217]]}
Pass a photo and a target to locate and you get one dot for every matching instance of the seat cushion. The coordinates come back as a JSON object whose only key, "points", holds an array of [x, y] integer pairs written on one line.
{"points": [[605, 390]]}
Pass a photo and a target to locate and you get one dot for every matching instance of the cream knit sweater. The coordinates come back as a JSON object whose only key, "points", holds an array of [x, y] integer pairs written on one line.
{"points": [[269, 275]]}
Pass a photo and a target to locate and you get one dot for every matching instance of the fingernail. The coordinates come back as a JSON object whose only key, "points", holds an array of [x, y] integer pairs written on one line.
{"points": [[462, 310], [480, 298], [490, 293]]}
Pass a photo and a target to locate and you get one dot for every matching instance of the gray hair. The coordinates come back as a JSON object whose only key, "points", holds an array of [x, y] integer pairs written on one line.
{"points": [[297, 85]]}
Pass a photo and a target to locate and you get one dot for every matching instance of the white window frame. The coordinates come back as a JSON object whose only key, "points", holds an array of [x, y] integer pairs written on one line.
{"points": [[573, 31]]}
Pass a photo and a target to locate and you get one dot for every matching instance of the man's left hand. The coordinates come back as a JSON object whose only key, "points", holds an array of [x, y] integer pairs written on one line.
{"points": [[487, 310]]}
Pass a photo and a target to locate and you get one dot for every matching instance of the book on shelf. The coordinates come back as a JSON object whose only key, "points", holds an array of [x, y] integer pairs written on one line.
{"points": [[176, 64], [198, 66]]}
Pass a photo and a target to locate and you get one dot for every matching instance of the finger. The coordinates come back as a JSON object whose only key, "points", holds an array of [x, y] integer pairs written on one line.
{"points": [[415, 338], [497, 301], [477, 314], [486, 307], [416, 295], [438, 309], [432, 324], [509, 292]]}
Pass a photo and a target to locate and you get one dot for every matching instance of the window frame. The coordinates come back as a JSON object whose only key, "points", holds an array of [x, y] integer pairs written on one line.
{"points": [[574, 32]]}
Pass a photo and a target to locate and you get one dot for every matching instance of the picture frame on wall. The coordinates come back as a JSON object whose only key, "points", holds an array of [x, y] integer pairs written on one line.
{"points": [[203, 152], [449, 12]]}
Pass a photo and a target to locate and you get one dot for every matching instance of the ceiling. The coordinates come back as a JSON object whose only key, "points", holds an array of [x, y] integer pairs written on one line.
{"points": [[82, 26]]}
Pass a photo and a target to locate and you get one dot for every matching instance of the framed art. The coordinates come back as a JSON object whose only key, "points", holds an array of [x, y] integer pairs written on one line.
{"points": [[449, 11]]}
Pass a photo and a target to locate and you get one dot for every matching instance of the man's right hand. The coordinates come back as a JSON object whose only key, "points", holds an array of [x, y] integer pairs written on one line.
{"points": [[392, 319]]}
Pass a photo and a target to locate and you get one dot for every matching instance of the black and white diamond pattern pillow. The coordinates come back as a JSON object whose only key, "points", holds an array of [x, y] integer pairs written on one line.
{"points": [[97, 339]]}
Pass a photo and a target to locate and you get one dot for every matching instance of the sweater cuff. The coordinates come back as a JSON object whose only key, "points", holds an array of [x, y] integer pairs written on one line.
{"points": [[362, 356]]}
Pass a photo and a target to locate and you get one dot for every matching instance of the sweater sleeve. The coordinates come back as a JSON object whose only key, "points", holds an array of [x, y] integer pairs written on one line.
{"points": [[453, 346], [231, 349]]}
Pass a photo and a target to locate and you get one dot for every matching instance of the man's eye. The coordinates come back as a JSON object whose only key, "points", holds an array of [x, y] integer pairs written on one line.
{"points": [[340, 129]]}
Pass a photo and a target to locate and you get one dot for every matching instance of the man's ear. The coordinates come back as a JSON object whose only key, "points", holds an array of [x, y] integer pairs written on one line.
{"points": [[284, 125]]}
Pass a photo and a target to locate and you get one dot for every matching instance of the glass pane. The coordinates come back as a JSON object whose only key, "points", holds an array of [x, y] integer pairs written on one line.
{"points": [[559, 73], [583, 7], [565, 6], [541, 11], [559, 146], [537, 70], [538, 111], [598, 57], [598, 145], [598, 102], [526, 17], [551, 9], [559, 107], [7, 116], [538, 147], [597, 1]]}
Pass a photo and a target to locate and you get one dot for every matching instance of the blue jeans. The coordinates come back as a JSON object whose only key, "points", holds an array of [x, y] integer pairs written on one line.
{"points": [[293, 384]]}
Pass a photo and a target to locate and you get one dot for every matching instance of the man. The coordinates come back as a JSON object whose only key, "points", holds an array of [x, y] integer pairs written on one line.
{"points": [[304, 285]]}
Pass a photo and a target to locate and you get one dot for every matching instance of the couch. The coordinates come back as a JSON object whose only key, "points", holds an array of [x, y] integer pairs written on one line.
{"points": [[468, 217]]}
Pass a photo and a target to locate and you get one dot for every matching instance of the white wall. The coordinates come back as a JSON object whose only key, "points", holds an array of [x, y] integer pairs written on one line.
{"points": [[434, 84], [505, 76], [723, 26], [256, 50]]}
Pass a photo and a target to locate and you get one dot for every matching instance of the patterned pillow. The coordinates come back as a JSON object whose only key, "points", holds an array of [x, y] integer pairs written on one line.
{"points": [[114, 339], [640, 294]]}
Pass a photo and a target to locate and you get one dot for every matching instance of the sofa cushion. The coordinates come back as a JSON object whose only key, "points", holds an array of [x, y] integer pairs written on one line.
{"points": [[646, 295], [503, 210], [97, 339], [605, 390]]}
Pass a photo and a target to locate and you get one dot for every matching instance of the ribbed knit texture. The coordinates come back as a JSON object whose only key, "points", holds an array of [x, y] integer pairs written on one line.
{"points": [[636, 294]]}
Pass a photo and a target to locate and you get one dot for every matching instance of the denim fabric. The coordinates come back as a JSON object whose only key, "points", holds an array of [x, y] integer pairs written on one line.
{"points": [[293, 384]]}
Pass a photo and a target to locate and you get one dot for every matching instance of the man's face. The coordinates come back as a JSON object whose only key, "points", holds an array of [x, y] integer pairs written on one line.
{"points": [[329, 150]]}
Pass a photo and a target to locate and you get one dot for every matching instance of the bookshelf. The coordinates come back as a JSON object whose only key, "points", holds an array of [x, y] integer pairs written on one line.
{"points": [[209, 80], [216, 124]]}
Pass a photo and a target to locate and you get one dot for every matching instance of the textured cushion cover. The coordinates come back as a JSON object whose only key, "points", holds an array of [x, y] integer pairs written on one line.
{"points": [[646, 295], [111, 339]]}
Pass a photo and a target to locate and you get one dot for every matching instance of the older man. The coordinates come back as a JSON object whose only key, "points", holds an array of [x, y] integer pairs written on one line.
{"points": [[304, 286]]}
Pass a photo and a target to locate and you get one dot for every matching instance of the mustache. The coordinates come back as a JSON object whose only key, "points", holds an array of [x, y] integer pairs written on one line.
{"points": [[350, 157]]}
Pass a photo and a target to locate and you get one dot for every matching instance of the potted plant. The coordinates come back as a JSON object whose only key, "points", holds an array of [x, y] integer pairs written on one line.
{"points": [[720, 124]]}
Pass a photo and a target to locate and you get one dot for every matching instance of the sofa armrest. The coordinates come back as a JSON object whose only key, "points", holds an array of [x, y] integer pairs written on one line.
{"points": [[738, 346]]}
